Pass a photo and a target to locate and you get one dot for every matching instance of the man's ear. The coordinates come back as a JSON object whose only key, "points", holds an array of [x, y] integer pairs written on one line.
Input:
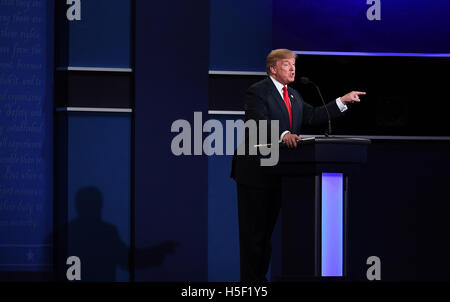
{"points": [[273, 69]]}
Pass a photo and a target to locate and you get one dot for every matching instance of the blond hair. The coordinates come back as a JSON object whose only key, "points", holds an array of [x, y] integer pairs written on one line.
{"points": [[278, 54]]}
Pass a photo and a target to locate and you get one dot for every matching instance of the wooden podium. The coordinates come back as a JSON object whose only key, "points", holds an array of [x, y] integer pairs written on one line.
{"points": [[315, 189]]}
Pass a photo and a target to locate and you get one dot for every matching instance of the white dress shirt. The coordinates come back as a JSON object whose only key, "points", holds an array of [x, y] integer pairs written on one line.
{"points": [[280, 86]]}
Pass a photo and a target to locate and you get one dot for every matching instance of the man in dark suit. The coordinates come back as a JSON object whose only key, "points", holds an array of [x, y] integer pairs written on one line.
{"points": [[259, 191]]}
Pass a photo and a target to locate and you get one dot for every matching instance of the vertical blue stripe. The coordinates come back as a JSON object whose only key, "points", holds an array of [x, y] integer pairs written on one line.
{"points": [[99, 194], [332, 224], [26, 138]]}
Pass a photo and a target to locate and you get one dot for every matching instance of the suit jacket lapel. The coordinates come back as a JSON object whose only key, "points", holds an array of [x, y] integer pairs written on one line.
{"points": [[279, 100]]}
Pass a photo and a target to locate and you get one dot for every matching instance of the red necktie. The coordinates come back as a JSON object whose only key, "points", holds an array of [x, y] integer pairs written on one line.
{"points": [[288, 104]]}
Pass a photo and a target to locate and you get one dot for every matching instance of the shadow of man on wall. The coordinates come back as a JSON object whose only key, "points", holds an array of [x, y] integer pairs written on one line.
{"points": [[98, 245]]}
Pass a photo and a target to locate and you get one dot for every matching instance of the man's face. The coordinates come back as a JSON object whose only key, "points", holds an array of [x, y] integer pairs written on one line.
{"points": [[284, 71]]}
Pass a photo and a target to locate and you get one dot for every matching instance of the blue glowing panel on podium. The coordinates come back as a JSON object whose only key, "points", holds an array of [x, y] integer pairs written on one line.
{"points": [[332, 224]]}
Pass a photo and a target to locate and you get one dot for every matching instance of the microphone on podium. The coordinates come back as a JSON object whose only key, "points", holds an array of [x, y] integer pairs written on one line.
{"points": [[306, 81]]}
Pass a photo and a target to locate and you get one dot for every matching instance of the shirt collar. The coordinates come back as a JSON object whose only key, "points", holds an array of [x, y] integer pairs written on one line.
{"points": [[278, 85]]}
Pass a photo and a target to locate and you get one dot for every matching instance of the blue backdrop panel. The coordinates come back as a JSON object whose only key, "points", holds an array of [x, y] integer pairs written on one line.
{"points": [[26, 129], [100, 39], [223, 232], [241, 34], [170, 192], [329, 25], [99, 193]]}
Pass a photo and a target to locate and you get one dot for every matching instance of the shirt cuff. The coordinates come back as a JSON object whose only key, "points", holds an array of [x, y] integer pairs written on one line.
{"points": [[283, 134], [341, 105]]}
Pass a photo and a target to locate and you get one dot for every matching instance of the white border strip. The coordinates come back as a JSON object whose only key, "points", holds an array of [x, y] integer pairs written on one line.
{"points": [[89, 109], [225, 112], [80, 68], [225, 72]]}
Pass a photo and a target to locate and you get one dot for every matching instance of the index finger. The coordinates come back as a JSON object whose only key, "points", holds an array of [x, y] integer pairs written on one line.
{"points": [[360, 92]]}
